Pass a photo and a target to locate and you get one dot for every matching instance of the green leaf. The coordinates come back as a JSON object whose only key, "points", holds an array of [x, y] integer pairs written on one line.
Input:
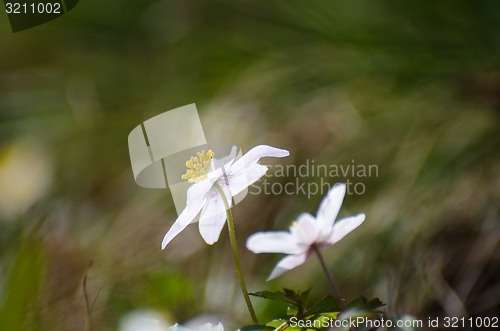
{"points": [[375, 303], [275, 296], [326, 305], [303, 298], [255, 327], [331, 315], [361, 302], [358, 302], [360, 312], [292, 310], [300, 299], [276, 323], [290, 293]]}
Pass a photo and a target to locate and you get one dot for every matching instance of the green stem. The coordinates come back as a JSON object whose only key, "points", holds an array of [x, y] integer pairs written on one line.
{"points": [[232, 238], [335, 289], [87, 306]]}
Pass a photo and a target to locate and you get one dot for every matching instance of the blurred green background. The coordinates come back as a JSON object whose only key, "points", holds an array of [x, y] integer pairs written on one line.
{"points": [[412, 87]]}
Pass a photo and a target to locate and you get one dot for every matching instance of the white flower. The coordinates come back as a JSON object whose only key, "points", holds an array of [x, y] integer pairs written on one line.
{"points": [[204, 327], [322, 231], [143, 320], [204, 194]]}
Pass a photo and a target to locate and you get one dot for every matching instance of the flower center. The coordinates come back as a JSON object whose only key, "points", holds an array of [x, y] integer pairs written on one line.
{"points": [[198, 166]]}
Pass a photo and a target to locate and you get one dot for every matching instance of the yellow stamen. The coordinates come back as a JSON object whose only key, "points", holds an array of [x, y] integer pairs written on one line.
{"points": [[198, 166]]}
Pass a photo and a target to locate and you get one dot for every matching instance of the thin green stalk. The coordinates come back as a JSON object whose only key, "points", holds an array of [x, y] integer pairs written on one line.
{"points": [[88, 322], [335, 289], [232, 238]]}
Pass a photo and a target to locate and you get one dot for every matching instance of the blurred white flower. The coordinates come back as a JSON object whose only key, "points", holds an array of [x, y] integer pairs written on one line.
{"points": [[143, 320], [322, 231], [25, 175], [204, 195], [204, 327]]}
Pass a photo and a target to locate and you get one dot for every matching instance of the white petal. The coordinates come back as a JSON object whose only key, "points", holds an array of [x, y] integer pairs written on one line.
{"points": [[210, 327], [305, 229], [237, 182], [330, 207], [253, 156], [273, 242], [181, 222], [213, 217], [288, 263], [196, 195], [196, 199], [344, 226], [174, 230]]}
